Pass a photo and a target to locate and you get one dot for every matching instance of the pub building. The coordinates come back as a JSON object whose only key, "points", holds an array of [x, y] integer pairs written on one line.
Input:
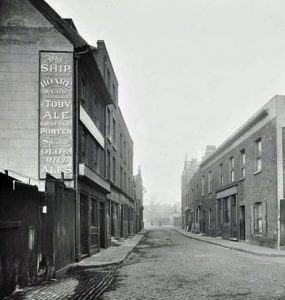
{"points": [[53, 102]]}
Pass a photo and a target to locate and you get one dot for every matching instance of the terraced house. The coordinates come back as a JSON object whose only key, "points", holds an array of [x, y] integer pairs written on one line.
{"points": [[238, 190]]}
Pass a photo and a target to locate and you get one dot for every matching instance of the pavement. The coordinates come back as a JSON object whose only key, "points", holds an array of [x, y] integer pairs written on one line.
{"points": [[87, 279], [239, 246], [113, 255]]}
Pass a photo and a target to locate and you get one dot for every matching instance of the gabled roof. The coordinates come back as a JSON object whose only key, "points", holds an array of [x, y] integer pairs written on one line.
{"points": [[59, 23]]}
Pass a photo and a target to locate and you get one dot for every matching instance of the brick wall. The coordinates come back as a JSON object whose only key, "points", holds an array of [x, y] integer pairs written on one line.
{"points": [[255, 187]]}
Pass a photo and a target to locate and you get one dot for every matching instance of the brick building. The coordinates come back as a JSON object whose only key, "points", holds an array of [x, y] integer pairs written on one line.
{"points": [[190, 167], [57, 96], [238, 190], [119, 154], [139, 193]]}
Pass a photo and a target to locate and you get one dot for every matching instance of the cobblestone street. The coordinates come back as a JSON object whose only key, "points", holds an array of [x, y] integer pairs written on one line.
{"points": [[167, 265]]}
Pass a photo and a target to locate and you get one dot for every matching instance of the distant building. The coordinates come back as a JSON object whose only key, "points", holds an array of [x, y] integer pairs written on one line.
{"points": [[238, 191], [139, 193], [162, 215], [190, 167]]}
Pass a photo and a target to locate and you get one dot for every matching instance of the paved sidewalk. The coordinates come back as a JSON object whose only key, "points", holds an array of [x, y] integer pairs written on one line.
{"points": [[86, 279], [113, 255], [239, 246]]}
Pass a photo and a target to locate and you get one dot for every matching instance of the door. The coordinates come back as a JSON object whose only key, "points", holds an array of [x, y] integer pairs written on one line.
{"points": [[233, 212], [282, 222], [112, 219], [122, 220], [203, 221], [84, 224], [242, 222], [102, 225], [94, 234], [219, 217]]}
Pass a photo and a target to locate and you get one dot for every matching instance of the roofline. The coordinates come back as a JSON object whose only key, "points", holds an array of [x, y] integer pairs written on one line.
{"points": [[60, 24], [242, 130]]}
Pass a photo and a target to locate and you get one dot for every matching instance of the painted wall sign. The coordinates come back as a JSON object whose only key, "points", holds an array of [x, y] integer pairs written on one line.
{"points": [[56, 109]]}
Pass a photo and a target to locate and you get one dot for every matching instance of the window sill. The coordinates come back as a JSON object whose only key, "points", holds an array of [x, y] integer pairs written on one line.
{"points": [[242, 179], [260, 235], [257, 172]]}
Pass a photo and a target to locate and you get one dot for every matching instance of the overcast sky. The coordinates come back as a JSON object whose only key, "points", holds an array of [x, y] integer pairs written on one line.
{"points": [[190, 72]]}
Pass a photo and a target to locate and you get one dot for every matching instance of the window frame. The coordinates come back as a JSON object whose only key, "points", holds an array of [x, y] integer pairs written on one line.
{"points": [[231, 169], [258, 219], [203, 185], [221, 176], [242, 163], [210, 181], [258, 155]]}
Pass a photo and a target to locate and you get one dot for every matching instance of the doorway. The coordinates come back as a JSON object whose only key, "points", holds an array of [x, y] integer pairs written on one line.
{"points": [[102, 224], [122, 220], [234, 217], [203, 221], [84, 225], [242, 222], [219, 217], [282, 222]]}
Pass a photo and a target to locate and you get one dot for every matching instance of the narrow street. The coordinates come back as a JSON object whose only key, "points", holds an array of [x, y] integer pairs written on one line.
{"points": [[167, 265]]}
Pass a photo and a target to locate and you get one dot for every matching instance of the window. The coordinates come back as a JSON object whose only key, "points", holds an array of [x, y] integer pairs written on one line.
{"points": [[197, 214], [231, 169], [114, 91], [83, 146], [210, 219], [210, 181], [108, 79], [125, 181], [95, 157], [242, 163], [227, 209], [108, 123], [258, 218], [121, 144], [83, 90], [221, 175], [108, 164], [95, 109], [114, 132], [258, 155], [114, 169], [203, 185], [121, 177], [125, 151]]}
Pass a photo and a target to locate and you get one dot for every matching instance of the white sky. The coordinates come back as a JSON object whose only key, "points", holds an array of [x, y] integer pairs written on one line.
{"points": [[190, 72]]}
